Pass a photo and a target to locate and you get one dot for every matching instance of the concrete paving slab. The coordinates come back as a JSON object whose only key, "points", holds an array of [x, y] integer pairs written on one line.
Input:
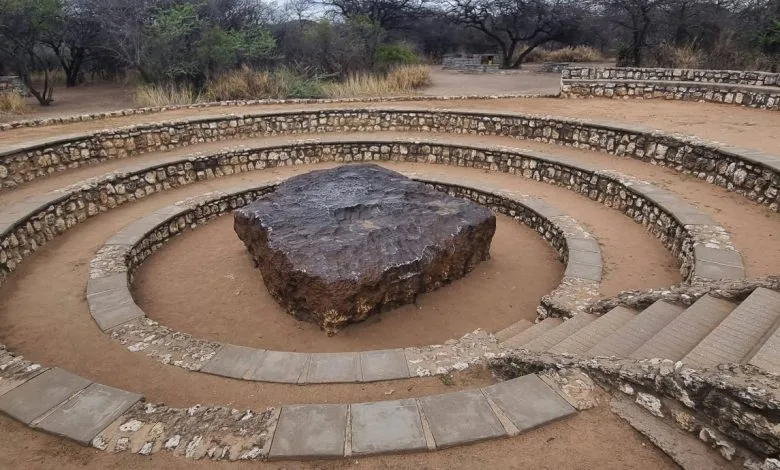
{"points": [[583, 271], [333, 368], [387, 426], [528, 402], [277, 366], [384, 364], [83, 417], [460, 418], [111, 317], [113, 282], [41, 393], [310, 432], [234, 361]]}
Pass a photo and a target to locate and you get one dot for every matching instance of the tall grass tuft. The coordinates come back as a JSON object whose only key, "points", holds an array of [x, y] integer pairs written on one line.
{"points": [[12, 103], [566, 54], [401, 80], [163, 95], [683, 57], [246, 84]]}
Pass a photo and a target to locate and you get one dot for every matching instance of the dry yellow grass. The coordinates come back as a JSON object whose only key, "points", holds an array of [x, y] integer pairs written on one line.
{"points": [[566, 54], [12, 103], [399, 81], [163, 95], [685, 57]]}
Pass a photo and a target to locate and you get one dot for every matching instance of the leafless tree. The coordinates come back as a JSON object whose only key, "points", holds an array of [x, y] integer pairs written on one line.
{"points": [[517, 25]]}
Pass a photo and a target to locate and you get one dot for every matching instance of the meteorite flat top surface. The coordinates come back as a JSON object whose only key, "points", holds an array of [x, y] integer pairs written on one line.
{"points": [[357, 221]]}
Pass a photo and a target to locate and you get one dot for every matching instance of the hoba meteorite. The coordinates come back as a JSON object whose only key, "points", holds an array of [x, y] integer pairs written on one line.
{"points": [[335, 246]]}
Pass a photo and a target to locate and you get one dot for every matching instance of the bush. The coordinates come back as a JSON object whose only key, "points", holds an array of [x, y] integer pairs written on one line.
{"points": [[249, 84], [681, 57], [163, 95], [566, 54], [12, 103], [394, 55]]}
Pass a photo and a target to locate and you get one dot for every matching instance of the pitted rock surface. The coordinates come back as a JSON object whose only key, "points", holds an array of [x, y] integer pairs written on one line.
{"points": [[336, 246]]}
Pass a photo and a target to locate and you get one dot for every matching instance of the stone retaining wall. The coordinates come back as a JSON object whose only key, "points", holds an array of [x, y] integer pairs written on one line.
{"points": [[242, 103], [470, 63], [737, 77], [724, 406], [753, 174], [753, 97], [698, 243]]}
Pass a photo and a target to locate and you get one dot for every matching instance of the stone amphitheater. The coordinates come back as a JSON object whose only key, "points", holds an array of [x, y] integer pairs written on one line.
{"points": [[648, 287]]}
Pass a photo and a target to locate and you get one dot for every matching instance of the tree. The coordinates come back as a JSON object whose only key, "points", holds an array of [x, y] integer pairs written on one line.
{"points": [[637, 17], [73, 39], [387, 14], [24, 26], [513, 24], [123, 25]]}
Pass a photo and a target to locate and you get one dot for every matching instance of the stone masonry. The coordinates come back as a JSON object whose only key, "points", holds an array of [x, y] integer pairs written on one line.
{"points": [[753, 174]]}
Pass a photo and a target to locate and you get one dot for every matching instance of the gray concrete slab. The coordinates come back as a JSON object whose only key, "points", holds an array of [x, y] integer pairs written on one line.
{"points": [[113, 282], [589, 258], [710, 270], [583, 271], [83, 417], [234, 361], [583, 244], [528, 402], [460, 418], [41, 393], [333, 368], [384, 364], [309, 432], [110, 317], [386, 426], [277, 366]]}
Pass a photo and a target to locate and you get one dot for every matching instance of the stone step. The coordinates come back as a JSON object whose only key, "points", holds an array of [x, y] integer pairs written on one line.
{"points": [[768, 355], [408, 425], [735, 337], [531, 333], [683, 333], [587, 337], [637, 331], [560, 332], [514, 329], [683, 447]]}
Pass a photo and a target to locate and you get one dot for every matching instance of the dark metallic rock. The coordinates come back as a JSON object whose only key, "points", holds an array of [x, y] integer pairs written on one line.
{"points": [[336, 246]]}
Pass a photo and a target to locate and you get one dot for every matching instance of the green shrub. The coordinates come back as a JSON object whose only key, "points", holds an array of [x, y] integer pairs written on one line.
{"points": [[389, 56]]}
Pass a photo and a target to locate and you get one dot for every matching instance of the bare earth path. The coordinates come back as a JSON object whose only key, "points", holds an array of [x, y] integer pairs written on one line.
{"points": [[43, 313]]}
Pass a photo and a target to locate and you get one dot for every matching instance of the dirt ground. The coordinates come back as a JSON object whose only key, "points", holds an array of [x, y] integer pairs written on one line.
{"points": [[44, 316], [498, 292], [100, 97], [528, 80], [46, 295]]}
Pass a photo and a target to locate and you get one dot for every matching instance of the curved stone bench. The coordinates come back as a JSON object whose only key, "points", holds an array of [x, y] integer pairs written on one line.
{"points": [[754, 174], [701, 245], [735, 77], [112, 306], [242, 103], [760, 97], [114, 420]]}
